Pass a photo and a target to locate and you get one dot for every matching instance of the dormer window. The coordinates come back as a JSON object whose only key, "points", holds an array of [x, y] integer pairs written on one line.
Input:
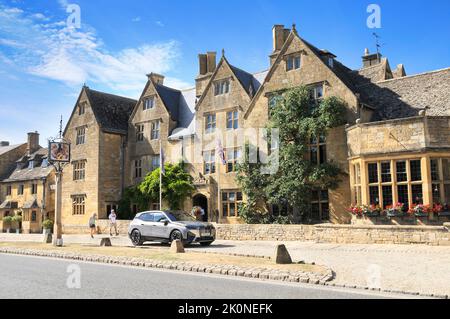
{"points": [[330, 62], [149, 103], [293, 62], [81, 108], [31, 164], [221, 87]]}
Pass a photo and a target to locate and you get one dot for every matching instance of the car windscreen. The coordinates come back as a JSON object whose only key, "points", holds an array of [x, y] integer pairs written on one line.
{"points": [[180, 216]]}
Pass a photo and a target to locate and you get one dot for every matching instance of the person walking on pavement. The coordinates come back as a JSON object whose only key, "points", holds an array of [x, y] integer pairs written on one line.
{"points": [[113, 222], [92, 224]]}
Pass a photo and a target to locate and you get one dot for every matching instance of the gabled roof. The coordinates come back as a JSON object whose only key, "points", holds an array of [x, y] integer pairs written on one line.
{"points": [[338, 68], [111, 111], [170, 98], [245, 78], [28, 174], [6, 149], [407, 96]]}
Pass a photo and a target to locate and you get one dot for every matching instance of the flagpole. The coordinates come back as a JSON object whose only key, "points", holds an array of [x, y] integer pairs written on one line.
{"points": [[218, 189], [160, 174]]}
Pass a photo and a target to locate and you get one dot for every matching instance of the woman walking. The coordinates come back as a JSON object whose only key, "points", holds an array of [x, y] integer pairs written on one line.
{"points": [[92, 224]]}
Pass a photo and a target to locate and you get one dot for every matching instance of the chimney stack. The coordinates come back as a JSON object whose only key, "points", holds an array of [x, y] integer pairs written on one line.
{"points": [[211, 57], [33, 142], [4, 143], [280, 35], [207, 66], [370, 59], [203, 64], [156, 78]]}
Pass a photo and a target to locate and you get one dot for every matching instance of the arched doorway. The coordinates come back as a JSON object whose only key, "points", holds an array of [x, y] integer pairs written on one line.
{"points": [[201, 201]]}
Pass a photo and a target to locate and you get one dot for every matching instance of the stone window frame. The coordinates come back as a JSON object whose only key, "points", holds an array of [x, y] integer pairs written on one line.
{"points": [[79, 170], [155, 130], [210, 123], [209, 162], [21, 190], [81, 135], [233, 155], [155, 161], [33, 216], [322, 202], [140, 128], [34, 188], [82, 108], [320, 145], [78, 205], [395, 183], [227, 202], [222, 87], [8, 190], [294, 61], [138, 168], [232, 118], [441, 184], [357, 184], [148, 103]]}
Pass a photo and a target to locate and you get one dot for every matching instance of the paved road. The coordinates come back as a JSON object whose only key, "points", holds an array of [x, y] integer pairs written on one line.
{"points": [[32, 277], [415, 268]]}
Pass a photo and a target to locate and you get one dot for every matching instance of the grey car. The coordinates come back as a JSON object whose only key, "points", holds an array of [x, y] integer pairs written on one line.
{"points": [[167, 226]]}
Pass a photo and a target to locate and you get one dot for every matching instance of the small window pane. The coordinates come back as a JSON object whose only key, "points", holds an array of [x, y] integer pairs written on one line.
{"points": [[386, 172], [402, 191], [373, 173], [401, 172], [435, 170], [416, 173], [417, 194], [436, 193], [374, 195], [387, 196]]}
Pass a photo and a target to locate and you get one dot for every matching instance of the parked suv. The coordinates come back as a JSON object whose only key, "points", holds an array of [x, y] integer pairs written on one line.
{"points": [[167, 226]]}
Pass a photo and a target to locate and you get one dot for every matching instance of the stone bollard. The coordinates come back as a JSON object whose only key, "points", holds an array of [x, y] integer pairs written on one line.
{"points": [[177, 247], [105, 242], [48, 238], [282, 255]]}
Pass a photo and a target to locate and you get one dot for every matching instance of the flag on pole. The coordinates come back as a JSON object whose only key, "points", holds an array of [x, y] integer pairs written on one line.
{"points": [[220, 152], [162, 160]]}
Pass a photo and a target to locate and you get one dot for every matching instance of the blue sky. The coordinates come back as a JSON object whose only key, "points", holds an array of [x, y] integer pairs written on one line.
{"points": [[43, 64]]}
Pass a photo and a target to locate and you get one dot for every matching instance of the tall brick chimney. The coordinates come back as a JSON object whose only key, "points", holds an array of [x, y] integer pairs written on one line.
{"points": [[211, 57], [33, 142], [207, 66], [279, 37]]}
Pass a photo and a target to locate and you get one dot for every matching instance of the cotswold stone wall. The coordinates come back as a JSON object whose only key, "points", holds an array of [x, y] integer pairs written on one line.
{"points": [[342, 234], [339, 234]]}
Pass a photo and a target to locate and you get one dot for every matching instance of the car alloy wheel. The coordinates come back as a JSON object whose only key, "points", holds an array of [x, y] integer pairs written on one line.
{"points": [[176, 235], [136, 237]]}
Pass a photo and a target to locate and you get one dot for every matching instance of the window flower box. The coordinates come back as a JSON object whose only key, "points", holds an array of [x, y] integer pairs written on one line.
{"points": [[396, 210], [420, 210]]}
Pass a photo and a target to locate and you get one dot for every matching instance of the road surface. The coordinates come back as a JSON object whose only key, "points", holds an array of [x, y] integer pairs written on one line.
{"points": [[33, 277]]}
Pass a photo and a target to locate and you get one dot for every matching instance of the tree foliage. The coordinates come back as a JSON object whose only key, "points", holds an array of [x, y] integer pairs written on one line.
{"points": [[177, 184], [298, 118]]}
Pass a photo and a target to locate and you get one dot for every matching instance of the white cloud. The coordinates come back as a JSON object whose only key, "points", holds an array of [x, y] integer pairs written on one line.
{"points": [[136, 19], [76, 56], [159, 24], [40, 16]]}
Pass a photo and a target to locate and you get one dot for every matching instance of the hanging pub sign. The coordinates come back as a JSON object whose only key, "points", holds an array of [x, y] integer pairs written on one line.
{"points": [[59, 152]]}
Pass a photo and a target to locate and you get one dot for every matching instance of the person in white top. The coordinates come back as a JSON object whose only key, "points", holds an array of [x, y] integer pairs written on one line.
{"points": [[113, 222]]}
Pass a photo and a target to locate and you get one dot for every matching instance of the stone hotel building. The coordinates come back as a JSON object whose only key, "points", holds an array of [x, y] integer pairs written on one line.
{"points": [[394, 148]]}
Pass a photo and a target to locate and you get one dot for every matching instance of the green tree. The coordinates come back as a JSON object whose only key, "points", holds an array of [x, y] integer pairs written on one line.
{"points": [[132, 196], [298, 118], [177, 184]]}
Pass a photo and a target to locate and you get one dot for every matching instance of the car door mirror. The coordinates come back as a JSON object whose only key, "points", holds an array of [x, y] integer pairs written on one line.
{"points": [[164, 221]]}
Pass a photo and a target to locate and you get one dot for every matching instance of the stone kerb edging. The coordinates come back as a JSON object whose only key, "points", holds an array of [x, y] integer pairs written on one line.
{"points": [[229, 270]]}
